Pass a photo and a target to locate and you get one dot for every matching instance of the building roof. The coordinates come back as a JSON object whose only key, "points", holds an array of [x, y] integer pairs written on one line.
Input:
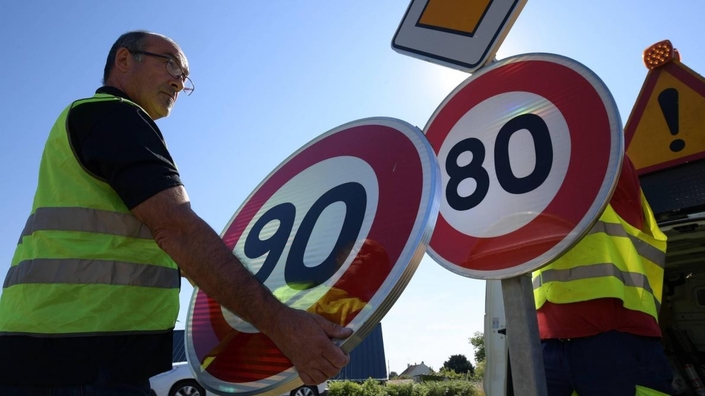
{"points": [[413, 370]]}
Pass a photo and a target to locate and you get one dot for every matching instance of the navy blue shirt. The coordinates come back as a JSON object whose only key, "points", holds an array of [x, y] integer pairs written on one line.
{"points": [[120, 144]]}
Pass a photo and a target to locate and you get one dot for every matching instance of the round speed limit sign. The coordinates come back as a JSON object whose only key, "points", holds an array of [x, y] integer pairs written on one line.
{"points": [[337, 229], [530, 150]]}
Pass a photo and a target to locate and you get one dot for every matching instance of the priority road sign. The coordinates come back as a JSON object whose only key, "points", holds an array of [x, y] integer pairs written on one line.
{"points": [[530, 150], [337, 229], [463, 35], [665, 127]]}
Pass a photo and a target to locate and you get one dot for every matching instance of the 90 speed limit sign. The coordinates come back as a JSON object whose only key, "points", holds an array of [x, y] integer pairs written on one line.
{"points": [[337, 229], [530, 150]]}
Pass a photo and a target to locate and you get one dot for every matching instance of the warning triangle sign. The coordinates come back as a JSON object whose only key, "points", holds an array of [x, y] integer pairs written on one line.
{"points": [[667, 124]]}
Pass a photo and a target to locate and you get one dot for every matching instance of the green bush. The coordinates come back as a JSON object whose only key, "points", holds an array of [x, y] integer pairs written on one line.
{"points": [[480, 371], [450, 388], [344, 388], [408, 389], [400, 390], [372, 388], [431, 388]]}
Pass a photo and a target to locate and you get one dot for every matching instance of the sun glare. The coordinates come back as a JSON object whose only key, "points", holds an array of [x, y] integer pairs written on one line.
{"points": [[441, 80]]}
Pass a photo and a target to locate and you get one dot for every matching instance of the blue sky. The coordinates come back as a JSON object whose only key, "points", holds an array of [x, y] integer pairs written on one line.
{"points": [[271, 76]]}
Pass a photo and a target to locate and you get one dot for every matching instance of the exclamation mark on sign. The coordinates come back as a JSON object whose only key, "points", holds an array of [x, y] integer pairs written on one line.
{"points": [[668, 99]]}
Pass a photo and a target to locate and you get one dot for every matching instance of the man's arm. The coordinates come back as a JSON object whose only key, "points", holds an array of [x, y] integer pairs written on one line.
{"points": [[303, 337]]}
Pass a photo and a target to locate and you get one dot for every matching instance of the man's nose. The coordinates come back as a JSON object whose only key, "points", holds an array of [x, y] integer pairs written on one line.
{"points": [[178, 84]]}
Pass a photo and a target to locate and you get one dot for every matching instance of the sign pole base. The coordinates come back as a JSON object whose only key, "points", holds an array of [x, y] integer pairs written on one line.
{"points": [[528, 375]]}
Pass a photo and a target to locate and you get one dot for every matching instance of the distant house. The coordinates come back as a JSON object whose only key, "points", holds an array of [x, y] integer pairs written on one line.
{"points": [[415, 371]]}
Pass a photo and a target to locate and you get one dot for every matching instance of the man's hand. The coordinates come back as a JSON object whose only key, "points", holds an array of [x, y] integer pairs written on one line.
{"points": [[305, 338]]}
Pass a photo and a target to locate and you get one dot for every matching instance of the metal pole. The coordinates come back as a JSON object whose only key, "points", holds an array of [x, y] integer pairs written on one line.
{"points": [[528, 375]]}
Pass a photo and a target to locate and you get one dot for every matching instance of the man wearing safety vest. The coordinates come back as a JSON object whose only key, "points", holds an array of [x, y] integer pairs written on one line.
{"points": [[92, 295], [598, 304]]}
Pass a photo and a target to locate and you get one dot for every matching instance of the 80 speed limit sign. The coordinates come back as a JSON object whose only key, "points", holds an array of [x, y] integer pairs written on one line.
{"points": [[337, 229], [530, 150]]}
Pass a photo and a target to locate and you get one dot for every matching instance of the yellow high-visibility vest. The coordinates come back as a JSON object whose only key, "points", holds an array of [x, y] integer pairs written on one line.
{"points": [[615, 260], [84, 265]]}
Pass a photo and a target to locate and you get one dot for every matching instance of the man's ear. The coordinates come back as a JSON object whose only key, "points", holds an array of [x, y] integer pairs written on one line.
{"points": [[123, 60]]}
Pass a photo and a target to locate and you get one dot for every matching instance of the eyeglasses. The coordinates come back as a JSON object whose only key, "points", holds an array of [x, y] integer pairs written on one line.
{"points": [[174, 69]]}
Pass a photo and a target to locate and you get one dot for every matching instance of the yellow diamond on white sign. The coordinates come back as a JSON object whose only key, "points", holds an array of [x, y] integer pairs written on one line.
{"points": [[462, 34], [462, 17]]}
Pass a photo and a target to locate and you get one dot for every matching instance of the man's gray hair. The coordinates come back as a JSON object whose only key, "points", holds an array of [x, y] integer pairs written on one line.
{"points": [[133, 41]]}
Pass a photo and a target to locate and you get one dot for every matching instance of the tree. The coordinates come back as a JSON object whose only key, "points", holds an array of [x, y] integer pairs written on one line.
{"points": [[393, 375], [480, 370], [460, 364], [478, 343]]}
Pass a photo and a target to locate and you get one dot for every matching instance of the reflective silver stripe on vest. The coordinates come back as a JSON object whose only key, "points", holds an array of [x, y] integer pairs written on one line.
{"points": [[593, 271], [645, 250], [633, 279], [76, 271], [86, 220]]}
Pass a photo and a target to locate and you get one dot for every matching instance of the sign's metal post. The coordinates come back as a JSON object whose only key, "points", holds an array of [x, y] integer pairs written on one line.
{"points": [[528, 376]]}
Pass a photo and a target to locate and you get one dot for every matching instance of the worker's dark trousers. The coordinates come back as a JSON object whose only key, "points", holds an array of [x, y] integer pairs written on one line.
{"points": [[102, 386], [607, 364]]}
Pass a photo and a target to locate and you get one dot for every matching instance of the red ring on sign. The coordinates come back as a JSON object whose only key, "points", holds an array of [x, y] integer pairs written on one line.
{"points": [[589, 124], [236, 357]]}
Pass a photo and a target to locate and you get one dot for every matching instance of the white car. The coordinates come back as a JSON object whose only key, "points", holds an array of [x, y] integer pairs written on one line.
{"points": [[179, 381]]}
